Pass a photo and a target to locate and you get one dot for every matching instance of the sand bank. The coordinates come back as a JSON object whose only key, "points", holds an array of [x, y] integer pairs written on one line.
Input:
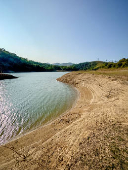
{"points": [[93, 135]]}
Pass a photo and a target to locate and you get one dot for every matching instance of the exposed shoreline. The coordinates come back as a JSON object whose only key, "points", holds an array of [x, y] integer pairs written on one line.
{"points": [[92, 135], [6, 76], [46, 123]]}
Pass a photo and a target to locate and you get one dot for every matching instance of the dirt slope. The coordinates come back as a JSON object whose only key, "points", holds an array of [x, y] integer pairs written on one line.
{"points": [[93, 135]]}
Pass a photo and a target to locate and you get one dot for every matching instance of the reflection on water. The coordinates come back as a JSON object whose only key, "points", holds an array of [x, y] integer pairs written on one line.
{"points": [[30, 100]]}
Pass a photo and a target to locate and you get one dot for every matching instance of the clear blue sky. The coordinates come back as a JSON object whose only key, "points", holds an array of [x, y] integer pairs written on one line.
{"points": [[65, 30]]}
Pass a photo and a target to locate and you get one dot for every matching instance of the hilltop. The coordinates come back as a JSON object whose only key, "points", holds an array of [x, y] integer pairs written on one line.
{"points": [[10, 62]]}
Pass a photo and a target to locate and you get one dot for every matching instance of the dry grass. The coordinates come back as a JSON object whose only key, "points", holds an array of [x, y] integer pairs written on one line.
{"points": [[118, 73]]}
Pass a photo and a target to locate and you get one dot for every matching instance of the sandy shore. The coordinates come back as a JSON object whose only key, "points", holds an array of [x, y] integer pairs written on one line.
{"points": [[93, 135]]}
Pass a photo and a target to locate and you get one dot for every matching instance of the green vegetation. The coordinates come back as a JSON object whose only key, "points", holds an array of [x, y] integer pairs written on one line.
{"points": [[120, 64], [94, 65], [10, 62]]}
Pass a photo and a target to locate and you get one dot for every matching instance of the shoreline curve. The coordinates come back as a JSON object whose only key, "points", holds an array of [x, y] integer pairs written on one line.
{"points": [[92, 135]]}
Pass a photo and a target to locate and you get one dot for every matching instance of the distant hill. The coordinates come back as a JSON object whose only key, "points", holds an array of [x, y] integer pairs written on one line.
{"points": [[10, 62], [93, 65], [63, 64]]}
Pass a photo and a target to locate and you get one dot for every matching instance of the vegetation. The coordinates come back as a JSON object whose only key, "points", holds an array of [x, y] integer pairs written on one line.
{"points": [[10, 62], [120, 64], [94, 65]]}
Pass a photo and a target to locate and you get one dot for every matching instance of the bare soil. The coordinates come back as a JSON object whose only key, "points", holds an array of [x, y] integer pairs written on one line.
{"points": [[92, 135]]}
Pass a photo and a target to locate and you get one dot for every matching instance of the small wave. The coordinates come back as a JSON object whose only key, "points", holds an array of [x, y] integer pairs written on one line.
{"points": [[30, 100]]}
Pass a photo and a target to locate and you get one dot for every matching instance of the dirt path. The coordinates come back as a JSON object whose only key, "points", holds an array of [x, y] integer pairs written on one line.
{"points": [[93, 135]]}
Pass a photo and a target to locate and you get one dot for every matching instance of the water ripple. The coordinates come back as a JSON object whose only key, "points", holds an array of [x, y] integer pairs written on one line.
{"points": [[30, 100]]}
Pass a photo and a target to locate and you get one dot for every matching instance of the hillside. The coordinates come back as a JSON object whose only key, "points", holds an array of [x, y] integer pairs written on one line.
{"points": [[94, 65], [10, 62]]}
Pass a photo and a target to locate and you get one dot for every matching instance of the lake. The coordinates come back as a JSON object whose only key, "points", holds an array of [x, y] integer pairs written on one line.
{"points": [[32, 100]]}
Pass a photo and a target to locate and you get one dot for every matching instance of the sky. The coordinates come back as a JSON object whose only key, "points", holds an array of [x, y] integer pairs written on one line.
{"points": [[76, 31]]}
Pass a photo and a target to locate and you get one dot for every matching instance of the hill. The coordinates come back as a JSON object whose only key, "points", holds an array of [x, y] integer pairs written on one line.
{"points": [[63, 64], [10, 62], [94, 65]]}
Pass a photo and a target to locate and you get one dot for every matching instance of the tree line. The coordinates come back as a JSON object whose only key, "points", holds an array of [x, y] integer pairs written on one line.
{"points": [[10, 62]]}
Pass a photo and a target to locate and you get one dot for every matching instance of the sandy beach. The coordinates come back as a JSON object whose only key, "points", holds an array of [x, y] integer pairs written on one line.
{"points": [[92, 135]]}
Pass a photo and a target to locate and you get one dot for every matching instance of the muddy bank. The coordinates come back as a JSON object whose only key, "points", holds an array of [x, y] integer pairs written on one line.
{"points": [[93, 135], [6, 76]]}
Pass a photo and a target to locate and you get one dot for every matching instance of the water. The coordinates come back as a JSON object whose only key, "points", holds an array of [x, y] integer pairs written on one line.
{"points": [[31, 100]]}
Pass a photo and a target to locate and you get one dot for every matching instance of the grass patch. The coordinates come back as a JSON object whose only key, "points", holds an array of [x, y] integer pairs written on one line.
{"points": [[119, 73]]}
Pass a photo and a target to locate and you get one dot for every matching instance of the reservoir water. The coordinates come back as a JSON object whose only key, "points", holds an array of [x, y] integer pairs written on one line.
{"points": [[31, 100]]}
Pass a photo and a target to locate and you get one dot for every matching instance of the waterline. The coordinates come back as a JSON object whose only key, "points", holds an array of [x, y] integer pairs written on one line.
{"points": [[31, 100]]}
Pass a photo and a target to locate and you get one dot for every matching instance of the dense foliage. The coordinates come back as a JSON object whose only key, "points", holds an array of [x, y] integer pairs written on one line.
{"points": [[120, 64], [10, 62], [94, 65]]}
